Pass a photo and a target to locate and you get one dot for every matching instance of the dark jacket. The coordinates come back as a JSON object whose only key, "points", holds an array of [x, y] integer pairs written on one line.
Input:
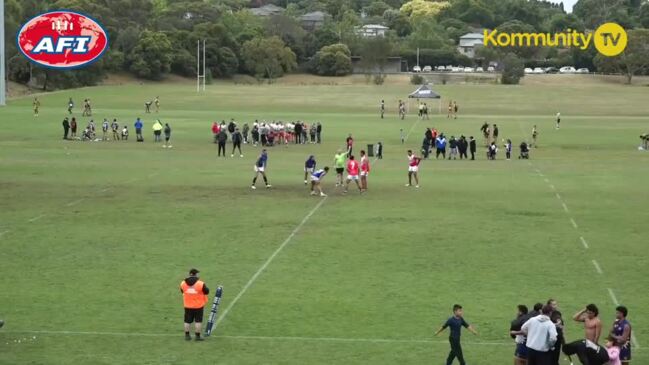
{"points": [[222, 137], [66, 124], [462, 145], [231, 127], [472, 145], [236, 137]]}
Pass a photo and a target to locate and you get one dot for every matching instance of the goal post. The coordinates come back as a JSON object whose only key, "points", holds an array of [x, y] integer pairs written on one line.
{"points": [[199, 76]]}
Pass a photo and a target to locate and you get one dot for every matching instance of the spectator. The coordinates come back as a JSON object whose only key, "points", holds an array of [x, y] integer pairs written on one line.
{"points": [[222, 138], [73, 127], [66, 127], [138, 130], [157, 131], [246, 130], [472, 147], [318, 133], [215, 130]]}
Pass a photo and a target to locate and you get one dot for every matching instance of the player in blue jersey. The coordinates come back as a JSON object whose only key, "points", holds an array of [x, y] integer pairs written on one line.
{"points": [[316, 179], [622, 332], [309, 168], [260, 168]]}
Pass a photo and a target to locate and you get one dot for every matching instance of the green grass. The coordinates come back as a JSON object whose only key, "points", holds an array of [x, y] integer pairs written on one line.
{"points": [[363, 269]]}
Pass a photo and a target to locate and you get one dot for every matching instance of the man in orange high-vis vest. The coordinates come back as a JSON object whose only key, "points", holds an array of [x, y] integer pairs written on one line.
{"points": [[194, 299]]}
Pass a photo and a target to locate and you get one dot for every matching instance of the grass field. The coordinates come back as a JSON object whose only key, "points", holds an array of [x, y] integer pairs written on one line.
{"points": [[96, 237]]}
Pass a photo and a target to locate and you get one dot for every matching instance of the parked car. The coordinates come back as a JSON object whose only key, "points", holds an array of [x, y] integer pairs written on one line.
{"points": [[427, 69], [479, 69], [440, 68], [528, 70], [491, 69], [538, 70], [468, 69], [567, 70], [583, 71], [416, 69], [551, 70], [458, 69]]}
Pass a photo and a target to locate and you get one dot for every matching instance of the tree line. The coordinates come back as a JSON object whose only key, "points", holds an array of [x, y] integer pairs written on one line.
{"points": [[153, 38]]}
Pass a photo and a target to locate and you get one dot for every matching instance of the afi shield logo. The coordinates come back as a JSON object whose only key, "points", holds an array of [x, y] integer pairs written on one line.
{"points": [[62, 39]]}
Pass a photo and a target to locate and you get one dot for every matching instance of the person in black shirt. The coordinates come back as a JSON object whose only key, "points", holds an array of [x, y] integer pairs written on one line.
{"points": [[557, 319], [236, 142], [379, 151], [455, 323], [472, 147], [495, 132], [66, 127], [221, 138], [463, 145], [318, 133], [298, 132]]}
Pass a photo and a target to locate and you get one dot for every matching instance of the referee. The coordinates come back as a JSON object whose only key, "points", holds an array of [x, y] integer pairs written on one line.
{"points": [[194, 299]]}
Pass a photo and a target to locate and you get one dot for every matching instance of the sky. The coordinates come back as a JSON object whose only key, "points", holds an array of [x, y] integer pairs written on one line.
{"points": [[567, 4]]}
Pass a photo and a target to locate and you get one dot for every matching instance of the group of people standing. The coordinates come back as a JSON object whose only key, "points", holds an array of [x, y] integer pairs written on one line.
{"points": [[540, 339], [457, 146]]}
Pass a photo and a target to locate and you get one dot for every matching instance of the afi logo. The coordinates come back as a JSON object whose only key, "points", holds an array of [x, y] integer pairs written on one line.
{"points": [[62, 39]]}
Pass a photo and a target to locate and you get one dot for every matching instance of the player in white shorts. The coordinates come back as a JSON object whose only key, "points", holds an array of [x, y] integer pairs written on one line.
{"points": [[413, 168], [353, 169], [316, 180]]}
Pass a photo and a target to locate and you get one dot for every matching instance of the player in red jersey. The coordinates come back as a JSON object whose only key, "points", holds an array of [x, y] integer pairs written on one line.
{"points": [[413, 168], [353, 169], [365, 170]]}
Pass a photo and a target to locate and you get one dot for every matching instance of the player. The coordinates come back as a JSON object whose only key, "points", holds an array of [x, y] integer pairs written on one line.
{"points": [[450, 110], [592, 323], [455, 323], [508, 149], [535, 135], [104, 129], [621, 331], [402, 109], [339, 162], [558, 120], [36, 104], [147, 106], [316, 180], [260, 168], [70, 106], [350, 144], [157, 104], [353, 170], [365, 170], [167, 133], [402, 136], [115, 128], [382, 108], [309, 168], [455, 109], [413, 168]]}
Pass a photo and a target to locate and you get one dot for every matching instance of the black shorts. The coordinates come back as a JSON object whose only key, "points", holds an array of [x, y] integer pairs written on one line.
{"points": [[340, 170], [193, 315], [167, 136]]}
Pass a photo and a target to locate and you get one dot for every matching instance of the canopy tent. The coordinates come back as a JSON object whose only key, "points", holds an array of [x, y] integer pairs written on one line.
{"points": [[425, 92]]}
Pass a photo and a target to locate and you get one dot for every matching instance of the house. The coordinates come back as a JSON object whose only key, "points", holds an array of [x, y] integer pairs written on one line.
{"points": [[267, 10], [372, 30], [314, 20], [469, 42]]}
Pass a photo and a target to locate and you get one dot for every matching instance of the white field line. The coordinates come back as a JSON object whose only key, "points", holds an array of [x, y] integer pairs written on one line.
{"points": [[264, 338], [36, 218], [557, 195], [546, 180], [105, 189], [552, 187], [597, 267], [4, 233], [565, 207], [268, 261], [73, 203], [574, 224], [152, 175], [583, 242], [411, 129]]}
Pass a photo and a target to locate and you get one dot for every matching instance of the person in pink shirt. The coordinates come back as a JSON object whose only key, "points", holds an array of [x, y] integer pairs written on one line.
{"points": [[353, 169], [613, 351], [365, 170]]}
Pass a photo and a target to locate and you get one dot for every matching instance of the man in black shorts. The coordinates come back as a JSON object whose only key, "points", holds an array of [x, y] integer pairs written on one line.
{"points": [[194, 299]]}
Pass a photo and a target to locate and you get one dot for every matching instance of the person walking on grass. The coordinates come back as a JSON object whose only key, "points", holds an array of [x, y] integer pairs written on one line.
{"points": [[237, 138], [157, 131], [70, 106], [472, 147], [455, 324], [309, 168], [413, 168], [194, 293], [222, 138], [541, 337], [535, 135], [66, 127], [167, 132], [37, 105], [260, 169], [340, 159], [138, 130]]}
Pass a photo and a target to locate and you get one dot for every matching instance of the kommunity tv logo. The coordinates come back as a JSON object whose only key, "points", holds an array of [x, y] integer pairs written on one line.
{"points": [[610, 39]]}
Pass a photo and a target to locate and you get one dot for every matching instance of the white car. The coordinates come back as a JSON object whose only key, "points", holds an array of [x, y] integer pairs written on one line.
{"points": [[468, 69], [583, 71], [491, 69], [427, 69], [539, 70], [458, 69], [528, 70], [567, 70], [440, 68], [416, 69], [479, 69]]}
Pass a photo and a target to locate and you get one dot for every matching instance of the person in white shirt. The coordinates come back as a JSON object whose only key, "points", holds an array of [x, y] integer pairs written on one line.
{"points": [[541, 336]]}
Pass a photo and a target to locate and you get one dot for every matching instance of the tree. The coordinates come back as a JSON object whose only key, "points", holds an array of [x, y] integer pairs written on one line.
{"points": [[423, 8], [563, 22], [427, 33], [597, 12], [513, 69], [634, 60], [376, 8], [267, 57], [516, 26], [374, 53], [643, 16], [398, 22], [151, 57], [333, 60]]}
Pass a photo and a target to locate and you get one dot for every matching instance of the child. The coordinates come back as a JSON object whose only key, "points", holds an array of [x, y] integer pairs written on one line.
{"points": [[125, 133], [613, 351], [508, 149], [455, 323]]}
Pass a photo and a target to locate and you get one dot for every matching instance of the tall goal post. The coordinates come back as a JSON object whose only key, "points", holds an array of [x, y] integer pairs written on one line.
{"points": [[199, 76], [3, 86]]}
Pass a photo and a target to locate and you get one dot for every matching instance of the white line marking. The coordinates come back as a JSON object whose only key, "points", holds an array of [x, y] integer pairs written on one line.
{"points": [[558, 196], [268, 261], [411, 129], [583, 242], [105, 189], [565, 207], [610, 292], [266, 338], [153, 174], [36, 218], [546, 180], [635, 341], [74, 202], [3, 233], [574, 224], [597, 267], [552, 187]]}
